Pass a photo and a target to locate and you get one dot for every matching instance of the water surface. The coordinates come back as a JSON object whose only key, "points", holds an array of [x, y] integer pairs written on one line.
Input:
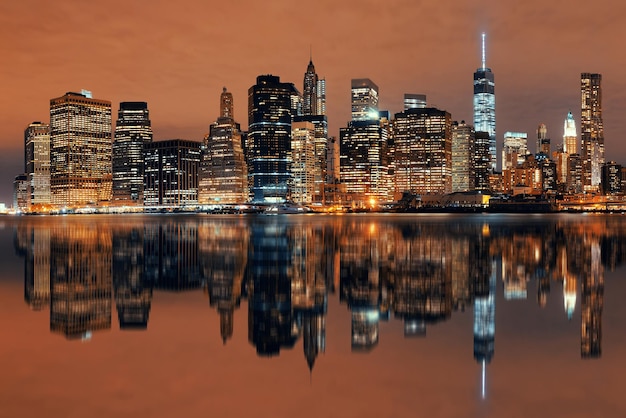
{"points": [[312, 315]]}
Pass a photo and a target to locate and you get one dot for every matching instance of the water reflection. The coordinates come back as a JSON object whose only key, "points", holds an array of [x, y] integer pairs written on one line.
{"points": [[418, 270]]}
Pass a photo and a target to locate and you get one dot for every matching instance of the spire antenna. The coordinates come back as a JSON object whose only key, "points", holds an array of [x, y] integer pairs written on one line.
{"points": [[484, 59]]}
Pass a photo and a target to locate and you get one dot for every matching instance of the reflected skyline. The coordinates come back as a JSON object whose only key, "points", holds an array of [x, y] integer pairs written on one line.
{"points": [[420, 271]]}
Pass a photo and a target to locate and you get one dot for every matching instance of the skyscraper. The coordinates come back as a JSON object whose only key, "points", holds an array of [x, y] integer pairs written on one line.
{"points": [[302, 162], [570, 144], [543, 142], [80, 149], [485, 105], [423, 151], [364, 99], [171, 173], [412, 101], [132, 131], [463, 156], [514, 149], [223, 174], [271, 105], [37, 162], [314, 111], [309, 94], [591, 129]]}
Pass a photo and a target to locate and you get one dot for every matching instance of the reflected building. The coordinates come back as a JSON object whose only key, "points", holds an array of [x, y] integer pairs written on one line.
{"points": [[422, 284], [592, 302], [360, 283], [271, 323], [484, 277], [80, 279], [308, 290], [37, 266], [223, 249], [132, 290], [171, 255]]}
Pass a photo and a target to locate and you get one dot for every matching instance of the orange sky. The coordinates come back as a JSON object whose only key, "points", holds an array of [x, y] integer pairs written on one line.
{"points": [[177, 56]]}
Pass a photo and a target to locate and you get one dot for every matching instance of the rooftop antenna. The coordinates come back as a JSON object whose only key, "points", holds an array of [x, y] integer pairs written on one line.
{"points": [[484, 50], [310, 52]]}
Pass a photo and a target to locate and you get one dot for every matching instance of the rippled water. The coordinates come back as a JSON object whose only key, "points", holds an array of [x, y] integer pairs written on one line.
{"points": [[313, 315]]}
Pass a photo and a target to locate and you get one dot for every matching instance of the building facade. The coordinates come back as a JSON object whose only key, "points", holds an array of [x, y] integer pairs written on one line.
{"points": [[364, 99], [423, 151], [271, 105], [485, 105], [463, 157], [80, 150], [132, 130], [223, 175], [171, 173], [37, 162], [514, 149], [303, 162], [592, 130]]}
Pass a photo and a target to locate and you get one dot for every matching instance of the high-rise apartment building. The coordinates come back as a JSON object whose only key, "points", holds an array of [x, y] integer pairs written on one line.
{"points": [[132, 130], [592, 130], [423, 151], [171, 173], [223, 175], [271, 105], [364, 99], [463, 157], [37, 162], [80, 150], [485, 105]]}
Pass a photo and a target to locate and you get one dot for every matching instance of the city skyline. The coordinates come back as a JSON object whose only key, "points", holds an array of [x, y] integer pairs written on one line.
{"points": [[174, 66]]}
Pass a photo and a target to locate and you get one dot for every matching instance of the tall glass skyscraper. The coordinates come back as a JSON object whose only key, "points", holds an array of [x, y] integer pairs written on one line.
{"points": [[132, 131], [592, 130], [485, 105], [271, 105]]}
